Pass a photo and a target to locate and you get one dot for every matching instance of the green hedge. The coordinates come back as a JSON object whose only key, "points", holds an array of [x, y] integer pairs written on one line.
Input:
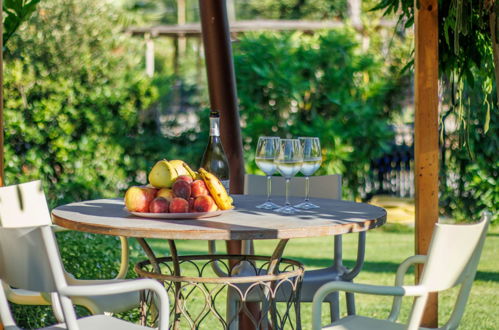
{"points": [[322, 85], [74, 94]]}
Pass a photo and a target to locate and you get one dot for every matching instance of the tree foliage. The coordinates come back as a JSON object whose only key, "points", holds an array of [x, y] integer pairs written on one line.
{"points": [[74, 91], [322, 85], [468, 60], [16, 12]]}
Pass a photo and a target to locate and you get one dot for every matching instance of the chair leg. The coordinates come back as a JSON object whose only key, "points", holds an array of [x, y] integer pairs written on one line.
{"points": [[334, 306], [350, 298]]}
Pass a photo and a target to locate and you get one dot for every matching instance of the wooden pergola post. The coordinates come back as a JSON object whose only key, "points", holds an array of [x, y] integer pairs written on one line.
{"points": [[222, 85], [2, 181], [223, 98], [1, 106], [426, 135]]}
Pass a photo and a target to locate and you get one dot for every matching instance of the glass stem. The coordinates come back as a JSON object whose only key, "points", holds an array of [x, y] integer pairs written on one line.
{"points": [[287, 192], [307, 188], [269, 187]]}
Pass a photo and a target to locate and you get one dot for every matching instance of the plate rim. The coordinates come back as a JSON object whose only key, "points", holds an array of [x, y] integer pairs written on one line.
{"points": [[181, 216]]}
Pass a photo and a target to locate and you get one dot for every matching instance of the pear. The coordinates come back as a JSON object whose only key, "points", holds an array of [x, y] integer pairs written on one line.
{"points": [[179, 167], [162, 175]]}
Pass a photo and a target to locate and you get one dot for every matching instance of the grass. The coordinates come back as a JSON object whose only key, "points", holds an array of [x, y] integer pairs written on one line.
{"points": [[386, 248]]}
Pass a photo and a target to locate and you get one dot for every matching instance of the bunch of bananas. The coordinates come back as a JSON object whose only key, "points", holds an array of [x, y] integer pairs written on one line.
{"points": [[217, 190]]}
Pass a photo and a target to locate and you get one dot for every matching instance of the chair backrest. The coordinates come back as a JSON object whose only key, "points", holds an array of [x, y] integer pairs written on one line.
{"points": [[23, 205], [327, 186], [453, 254], [453, 258], [24, 260]]}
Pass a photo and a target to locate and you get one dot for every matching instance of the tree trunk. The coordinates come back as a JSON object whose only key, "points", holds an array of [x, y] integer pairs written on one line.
{"points": [[495, 44]]}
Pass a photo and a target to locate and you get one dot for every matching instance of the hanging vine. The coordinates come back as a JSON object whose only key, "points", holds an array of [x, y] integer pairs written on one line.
{"points": [[468, 71], [468, 41]]}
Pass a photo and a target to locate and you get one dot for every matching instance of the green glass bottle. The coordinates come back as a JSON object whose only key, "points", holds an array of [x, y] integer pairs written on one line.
{"points": [[214, 159]]}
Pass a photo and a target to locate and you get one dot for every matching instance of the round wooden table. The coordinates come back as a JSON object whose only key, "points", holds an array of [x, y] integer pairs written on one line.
{"points": [[245, 222]]}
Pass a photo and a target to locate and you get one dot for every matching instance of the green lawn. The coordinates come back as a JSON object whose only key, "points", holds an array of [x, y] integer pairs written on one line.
{"points": [[384, 251], [386, 247]]}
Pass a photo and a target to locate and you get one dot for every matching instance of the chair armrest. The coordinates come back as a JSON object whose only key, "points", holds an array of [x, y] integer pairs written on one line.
{"points": [[399, 280], [405, 265], [326, 289], [122, 287], [123, 270]]}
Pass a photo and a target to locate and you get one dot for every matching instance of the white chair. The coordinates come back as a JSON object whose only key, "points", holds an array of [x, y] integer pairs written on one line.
{"points": [[95, 305], [452, 260], [30, 260], [328, 186]]}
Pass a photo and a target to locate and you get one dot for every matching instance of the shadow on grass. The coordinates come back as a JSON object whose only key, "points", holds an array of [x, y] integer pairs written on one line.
{"points": [[369, 266]]}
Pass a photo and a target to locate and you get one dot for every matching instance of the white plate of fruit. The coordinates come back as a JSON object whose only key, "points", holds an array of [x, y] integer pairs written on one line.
{"points": [[175, 191]]}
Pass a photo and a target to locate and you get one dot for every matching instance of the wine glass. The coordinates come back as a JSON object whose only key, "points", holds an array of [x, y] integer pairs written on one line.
{"points": [[289, 159], [312, 159], [264, 158]]}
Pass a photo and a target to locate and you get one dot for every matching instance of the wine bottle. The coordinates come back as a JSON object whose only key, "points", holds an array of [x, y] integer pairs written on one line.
{"points": [[214, 159]]}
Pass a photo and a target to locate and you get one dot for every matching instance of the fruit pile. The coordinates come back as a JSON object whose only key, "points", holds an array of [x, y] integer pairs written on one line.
{"points": [[175, 188]]}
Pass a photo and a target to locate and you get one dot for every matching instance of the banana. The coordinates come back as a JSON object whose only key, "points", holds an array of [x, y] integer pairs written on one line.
{"points": [[183, 169], [193, 174], [217, 190]]}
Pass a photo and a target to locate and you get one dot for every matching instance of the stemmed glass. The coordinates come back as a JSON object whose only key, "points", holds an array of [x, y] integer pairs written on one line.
{"points": [[312, 159], [264, 158], [289, 159]]}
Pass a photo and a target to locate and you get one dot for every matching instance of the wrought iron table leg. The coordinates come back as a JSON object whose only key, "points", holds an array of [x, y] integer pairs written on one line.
{"points": [[273, 267], [150, 254], [178, 285]]}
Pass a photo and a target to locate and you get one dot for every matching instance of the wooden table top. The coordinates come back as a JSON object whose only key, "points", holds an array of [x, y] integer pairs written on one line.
{"points": [[334, 217]]}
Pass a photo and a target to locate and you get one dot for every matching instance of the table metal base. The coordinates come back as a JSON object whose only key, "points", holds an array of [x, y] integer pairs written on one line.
{"points": [[199, 296]]}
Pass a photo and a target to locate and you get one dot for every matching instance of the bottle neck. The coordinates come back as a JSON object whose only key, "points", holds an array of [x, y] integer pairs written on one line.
{"points": [[214, 126]]}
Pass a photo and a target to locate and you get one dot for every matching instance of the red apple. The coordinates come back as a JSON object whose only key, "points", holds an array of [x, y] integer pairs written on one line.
{"points": [[204, 204], [179, 205], [159, 205], [186, 178], [191, 204], [137, 199], [198, 188], [182, 189]]}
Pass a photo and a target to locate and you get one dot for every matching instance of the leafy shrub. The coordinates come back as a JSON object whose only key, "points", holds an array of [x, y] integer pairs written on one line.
{"points": [[323, 85], [74, 92], [470, 166]]}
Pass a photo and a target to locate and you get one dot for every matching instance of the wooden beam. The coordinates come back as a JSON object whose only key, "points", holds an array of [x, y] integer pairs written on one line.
{"points": [[194, 29], [426, 135]]}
